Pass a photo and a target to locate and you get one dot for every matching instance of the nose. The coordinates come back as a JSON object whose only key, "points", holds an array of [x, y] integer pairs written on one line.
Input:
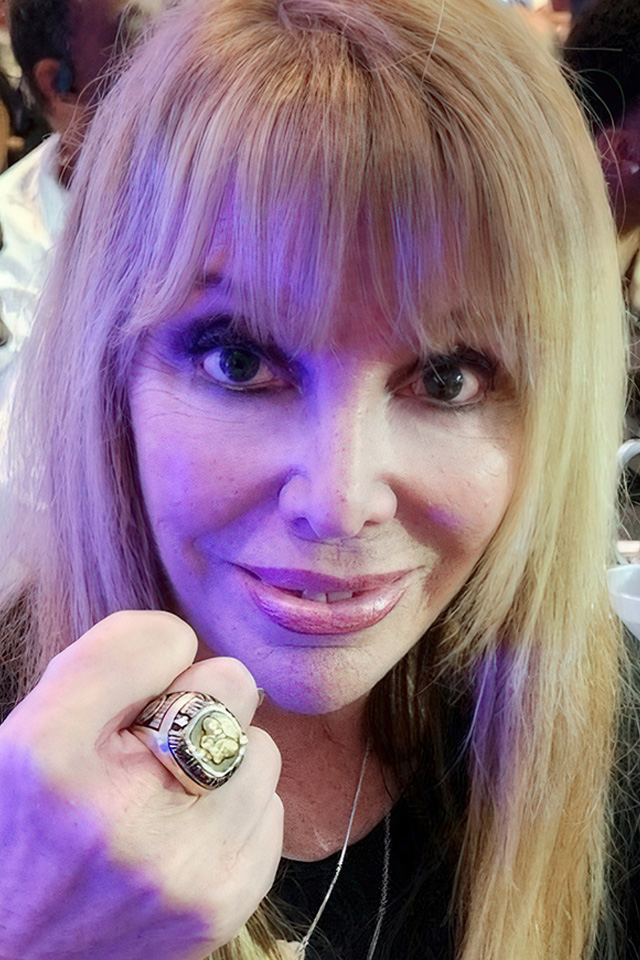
{"points": [[339, 485]]}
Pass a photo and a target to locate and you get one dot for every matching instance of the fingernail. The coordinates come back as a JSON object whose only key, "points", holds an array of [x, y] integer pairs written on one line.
{"points": [[261, 695]]}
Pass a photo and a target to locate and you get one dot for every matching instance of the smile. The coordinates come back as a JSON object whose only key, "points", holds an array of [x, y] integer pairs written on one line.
{"points": [[310, 603]]}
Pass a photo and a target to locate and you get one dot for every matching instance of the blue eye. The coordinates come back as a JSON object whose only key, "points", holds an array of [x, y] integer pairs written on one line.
{"points": [[237, 366]]}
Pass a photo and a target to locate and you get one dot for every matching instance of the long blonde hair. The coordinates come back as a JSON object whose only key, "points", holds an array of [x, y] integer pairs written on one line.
{"points": [[442, 138]]}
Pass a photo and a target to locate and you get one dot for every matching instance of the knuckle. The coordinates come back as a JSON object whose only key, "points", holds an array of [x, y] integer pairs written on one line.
{"points": [[143, 631], [123, 637], [172, 631], [233, 671], [68, 670], [54, 666], [157, 625]]}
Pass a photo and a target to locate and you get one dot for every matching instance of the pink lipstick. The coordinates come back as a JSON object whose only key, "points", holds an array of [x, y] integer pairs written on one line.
{"points": [[311, 603]]}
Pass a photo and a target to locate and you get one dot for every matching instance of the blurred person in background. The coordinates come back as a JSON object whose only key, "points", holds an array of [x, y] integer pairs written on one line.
{"points": [[64, 49], [550, 21], [28, 125], [11, 145], [603, 48], [7, 60]]}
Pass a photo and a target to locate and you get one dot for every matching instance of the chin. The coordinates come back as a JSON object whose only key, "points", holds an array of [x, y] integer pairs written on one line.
{"points": [[311, 695]]}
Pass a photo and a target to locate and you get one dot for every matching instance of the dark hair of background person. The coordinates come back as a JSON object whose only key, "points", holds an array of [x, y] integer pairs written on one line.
{"points": [[577, 6], [39, 30], [603, 46]]}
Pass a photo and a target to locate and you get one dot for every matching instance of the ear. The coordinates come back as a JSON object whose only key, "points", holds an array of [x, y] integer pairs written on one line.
{"points": [[619, 150], [54, 81]]}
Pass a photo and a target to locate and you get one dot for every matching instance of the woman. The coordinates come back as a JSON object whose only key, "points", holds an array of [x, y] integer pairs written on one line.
{"points": [[328, 383]]}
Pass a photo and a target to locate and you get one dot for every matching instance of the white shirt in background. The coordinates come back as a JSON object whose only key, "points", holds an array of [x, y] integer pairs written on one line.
{"points": [[32, 212]]}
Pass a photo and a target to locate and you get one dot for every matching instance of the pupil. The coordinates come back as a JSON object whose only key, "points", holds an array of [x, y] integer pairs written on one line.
{"points": [[443, 380], [239, 365]]}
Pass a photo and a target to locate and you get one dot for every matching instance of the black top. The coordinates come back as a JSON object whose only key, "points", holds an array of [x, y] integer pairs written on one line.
{"points": [[348, 922], [415, 926], [423, 861]]}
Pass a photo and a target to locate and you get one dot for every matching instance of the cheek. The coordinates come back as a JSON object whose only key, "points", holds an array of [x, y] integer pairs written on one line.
{"points": [[193, 469], [484, 489], [464, 489]]}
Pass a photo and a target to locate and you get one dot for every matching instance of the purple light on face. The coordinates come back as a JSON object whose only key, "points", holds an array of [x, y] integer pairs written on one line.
{"points": [[444, 518], [63, 895]]}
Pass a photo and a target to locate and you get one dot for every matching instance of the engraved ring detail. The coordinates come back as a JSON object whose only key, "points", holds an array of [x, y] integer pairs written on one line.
{"points": [[195, 736]]}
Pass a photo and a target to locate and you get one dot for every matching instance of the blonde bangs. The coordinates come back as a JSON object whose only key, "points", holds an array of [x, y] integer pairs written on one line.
{"points": [[368, 150], [413, 210]]}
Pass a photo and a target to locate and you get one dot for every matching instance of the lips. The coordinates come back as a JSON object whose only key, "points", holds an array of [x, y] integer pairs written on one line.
{"points": [[310, 603]]}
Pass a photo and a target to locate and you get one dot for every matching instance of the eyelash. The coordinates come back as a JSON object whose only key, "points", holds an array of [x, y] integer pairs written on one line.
{"points": [[206, 342]]}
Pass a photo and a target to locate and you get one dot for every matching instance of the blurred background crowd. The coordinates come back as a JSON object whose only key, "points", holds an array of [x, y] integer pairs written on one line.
{"points": [[22, 127]]}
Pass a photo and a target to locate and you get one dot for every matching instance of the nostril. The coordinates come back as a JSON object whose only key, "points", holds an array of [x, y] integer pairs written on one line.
{"points": [[329, 507], [314, 521], [322, 529]]}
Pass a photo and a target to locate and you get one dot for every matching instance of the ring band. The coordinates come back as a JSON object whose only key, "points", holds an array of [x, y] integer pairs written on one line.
{"points": [[194, 736]]}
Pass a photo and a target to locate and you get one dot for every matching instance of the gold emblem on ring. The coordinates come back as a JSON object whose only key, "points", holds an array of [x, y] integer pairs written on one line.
{"points": [[195, 736], [217, 742]]}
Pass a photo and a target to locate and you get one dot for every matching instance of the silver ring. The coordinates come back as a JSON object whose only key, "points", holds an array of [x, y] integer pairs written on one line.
{"points": [[195, 736]]}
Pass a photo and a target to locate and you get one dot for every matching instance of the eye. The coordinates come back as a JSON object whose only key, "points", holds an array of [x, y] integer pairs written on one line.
{"points": [[237, 366], [451, 380]]}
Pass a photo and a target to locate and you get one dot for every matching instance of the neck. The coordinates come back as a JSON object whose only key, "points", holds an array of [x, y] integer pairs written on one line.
{"points": [[321, 762]]}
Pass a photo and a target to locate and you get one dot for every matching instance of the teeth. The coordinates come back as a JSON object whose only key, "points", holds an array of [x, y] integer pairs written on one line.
{"points": [[327, 597], [310, 595]]}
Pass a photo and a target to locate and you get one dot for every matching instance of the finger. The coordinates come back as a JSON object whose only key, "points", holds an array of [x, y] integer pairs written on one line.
{"points": [[270, 836], [113, 670], [241, 801], [261, 853], [226, 679], [248, 868]]}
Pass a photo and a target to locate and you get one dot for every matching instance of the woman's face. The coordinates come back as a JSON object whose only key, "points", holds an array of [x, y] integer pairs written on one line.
{"points": [[316, 513]]}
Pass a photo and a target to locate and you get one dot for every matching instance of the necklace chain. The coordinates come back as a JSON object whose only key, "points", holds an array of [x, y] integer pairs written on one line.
{"points": [[302, 945], [384, 893]]}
